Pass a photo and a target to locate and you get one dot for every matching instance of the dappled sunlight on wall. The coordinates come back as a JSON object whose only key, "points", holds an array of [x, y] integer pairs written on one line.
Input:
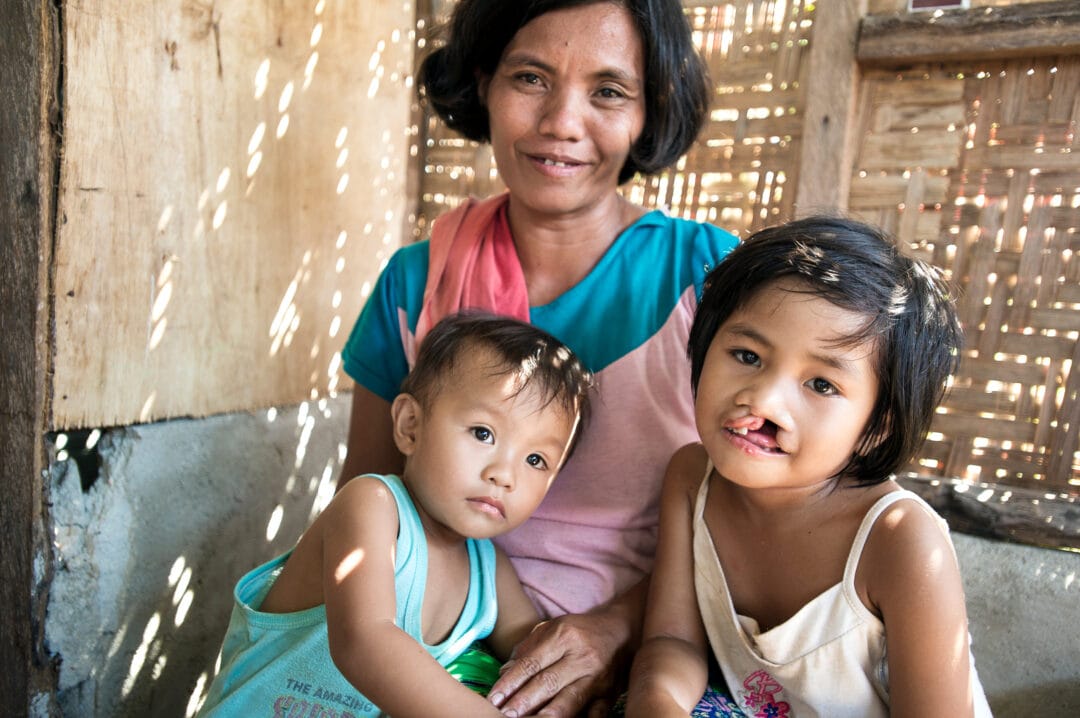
{"points": [[148, 553], [741, 173], [232, 177], [972, 166]]}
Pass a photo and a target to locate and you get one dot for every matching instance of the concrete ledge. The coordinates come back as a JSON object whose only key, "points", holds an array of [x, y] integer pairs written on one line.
{"points": [[1024, 615]]}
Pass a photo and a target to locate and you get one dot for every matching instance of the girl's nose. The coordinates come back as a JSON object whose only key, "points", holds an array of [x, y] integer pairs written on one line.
{"points": [[562, 116], [766, 398]]}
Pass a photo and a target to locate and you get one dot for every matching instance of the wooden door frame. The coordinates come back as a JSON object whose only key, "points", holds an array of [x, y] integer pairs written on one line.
{"points": [[29, 96]]}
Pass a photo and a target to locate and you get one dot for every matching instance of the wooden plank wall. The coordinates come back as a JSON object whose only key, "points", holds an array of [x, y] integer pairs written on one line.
{"points": [[232, 180]]}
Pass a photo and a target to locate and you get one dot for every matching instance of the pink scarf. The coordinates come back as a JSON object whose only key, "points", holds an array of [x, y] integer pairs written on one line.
{"points": [[472, 264]]}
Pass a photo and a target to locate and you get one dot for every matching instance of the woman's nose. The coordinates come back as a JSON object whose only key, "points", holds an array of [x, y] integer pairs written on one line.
{"points": [[562, 115]]}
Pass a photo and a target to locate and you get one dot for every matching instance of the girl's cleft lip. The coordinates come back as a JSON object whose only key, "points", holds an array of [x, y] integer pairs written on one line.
{"points": [[755, 434]]}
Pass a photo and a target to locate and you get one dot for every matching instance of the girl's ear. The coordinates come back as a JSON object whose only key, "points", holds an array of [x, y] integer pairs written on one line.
{"points": [[406, 414]]}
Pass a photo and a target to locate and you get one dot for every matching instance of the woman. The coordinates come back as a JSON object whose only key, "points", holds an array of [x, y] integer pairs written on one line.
{"points": [[575, 98]]}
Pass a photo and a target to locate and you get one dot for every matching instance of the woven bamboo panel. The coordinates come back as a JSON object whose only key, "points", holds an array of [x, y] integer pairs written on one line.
{"points": [[974, 169], [740, 175]]}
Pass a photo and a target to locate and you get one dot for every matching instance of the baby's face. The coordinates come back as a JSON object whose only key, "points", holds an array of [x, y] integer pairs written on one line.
{"points": [[486, 453]]}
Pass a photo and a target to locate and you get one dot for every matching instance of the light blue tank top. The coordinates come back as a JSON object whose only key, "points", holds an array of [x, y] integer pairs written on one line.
{"points": [[279, 663]]}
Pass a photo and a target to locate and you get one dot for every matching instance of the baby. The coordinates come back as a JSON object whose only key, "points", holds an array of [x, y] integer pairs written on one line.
{"points": [[398, 576]]}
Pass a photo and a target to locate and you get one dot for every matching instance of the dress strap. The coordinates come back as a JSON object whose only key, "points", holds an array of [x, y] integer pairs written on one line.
{"points": [[871, 517], [703, 492]]}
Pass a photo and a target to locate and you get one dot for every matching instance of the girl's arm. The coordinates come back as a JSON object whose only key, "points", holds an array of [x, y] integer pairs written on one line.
{"points": [[913, 579], [359, 536], [670, 672], [517, 615]]}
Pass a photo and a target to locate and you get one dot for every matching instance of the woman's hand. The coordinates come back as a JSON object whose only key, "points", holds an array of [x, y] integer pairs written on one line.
{"points": [[574, 662]]}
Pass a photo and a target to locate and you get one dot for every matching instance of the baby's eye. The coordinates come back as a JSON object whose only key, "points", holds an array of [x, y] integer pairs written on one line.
{"points": [[822, 386], [536, 461], [745, 356], [482, 434]]}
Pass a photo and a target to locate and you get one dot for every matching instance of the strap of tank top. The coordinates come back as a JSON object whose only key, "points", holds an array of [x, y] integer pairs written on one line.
{"points": [[867, 525], [703, 492]]}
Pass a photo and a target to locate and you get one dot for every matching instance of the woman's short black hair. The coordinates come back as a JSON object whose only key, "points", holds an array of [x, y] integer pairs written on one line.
{"points": [[677, 87], [536, 358], [911, 321]]}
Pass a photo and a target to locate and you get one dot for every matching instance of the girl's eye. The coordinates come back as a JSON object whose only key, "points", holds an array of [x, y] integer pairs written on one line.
{"points": [[822, 386], [536, 461], [482, 434], [745, 356]]}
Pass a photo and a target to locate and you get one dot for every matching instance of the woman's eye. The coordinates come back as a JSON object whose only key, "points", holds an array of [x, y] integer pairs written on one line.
{"points": [[745, 356], [610, 93], [529, 78], [482, 434], [536, 461], [822, 386]]}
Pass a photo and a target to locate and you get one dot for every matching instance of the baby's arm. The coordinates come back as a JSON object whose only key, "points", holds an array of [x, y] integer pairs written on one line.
{"points": [[913, 579], [359, 535], [517, 615], [670, 672]]}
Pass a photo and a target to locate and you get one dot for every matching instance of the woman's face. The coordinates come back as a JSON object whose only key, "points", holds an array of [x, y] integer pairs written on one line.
{"points": [[566, 103]]}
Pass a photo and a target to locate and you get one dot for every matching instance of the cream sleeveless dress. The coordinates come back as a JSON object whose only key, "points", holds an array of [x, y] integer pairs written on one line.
{"points": [[827, 660]]}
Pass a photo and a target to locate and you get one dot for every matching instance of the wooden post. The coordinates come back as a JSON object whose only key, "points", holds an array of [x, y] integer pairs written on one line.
{"points": [[28, 94], [828, 145]]}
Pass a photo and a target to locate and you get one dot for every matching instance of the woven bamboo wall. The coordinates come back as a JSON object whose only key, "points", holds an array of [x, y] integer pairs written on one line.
{"points": [[738, 175], [971, 167]]}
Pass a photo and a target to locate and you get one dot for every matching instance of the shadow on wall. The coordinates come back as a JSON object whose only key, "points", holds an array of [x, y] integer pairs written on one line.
{"points": [[148, 554]]}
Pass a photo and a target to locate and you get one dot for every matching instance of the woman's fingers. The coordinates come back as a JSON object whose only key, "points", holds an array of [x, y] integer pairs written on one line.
{"points": [[557, 670]]}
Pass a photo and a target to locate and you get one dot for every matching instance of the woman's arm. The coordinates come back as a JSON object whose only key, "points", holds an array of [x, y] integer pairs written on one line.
{"points": [[670, 672], [371, 447], [912, 578], [359, 534], [517, 615]]}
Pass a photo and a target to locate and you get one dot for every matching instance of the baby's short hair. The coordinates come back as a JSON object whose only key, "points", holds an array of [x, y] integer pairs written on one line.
{"points": [[537, 358]]}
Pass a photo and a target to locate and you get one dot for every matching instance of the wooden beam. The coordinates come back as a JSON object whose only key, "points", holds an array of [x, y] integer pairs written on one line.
{"points": [[28, 93], [828, 144], [1026, 30], [1000, 511]]}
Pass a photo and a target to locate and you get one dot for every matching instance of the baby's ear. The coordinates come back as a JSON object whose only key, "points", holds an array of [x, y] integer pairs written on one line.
{"points": [[405, 413]]}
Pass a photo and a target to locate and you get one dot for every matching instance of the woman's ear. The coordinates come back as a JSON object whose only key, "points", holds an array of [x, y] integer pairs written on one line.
{"points": [[406, 414], [482, 83]]}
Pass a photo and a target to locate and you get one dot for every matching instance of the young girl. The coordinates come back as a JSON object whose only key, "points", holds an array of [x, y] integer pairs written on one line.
{"points": [[818, 356], [397, 576]]}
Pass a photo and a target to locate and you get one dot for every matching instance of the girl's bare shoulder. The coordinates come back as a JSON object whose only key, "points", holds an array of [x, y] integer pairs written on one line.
{"points": [[686, 470]]}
